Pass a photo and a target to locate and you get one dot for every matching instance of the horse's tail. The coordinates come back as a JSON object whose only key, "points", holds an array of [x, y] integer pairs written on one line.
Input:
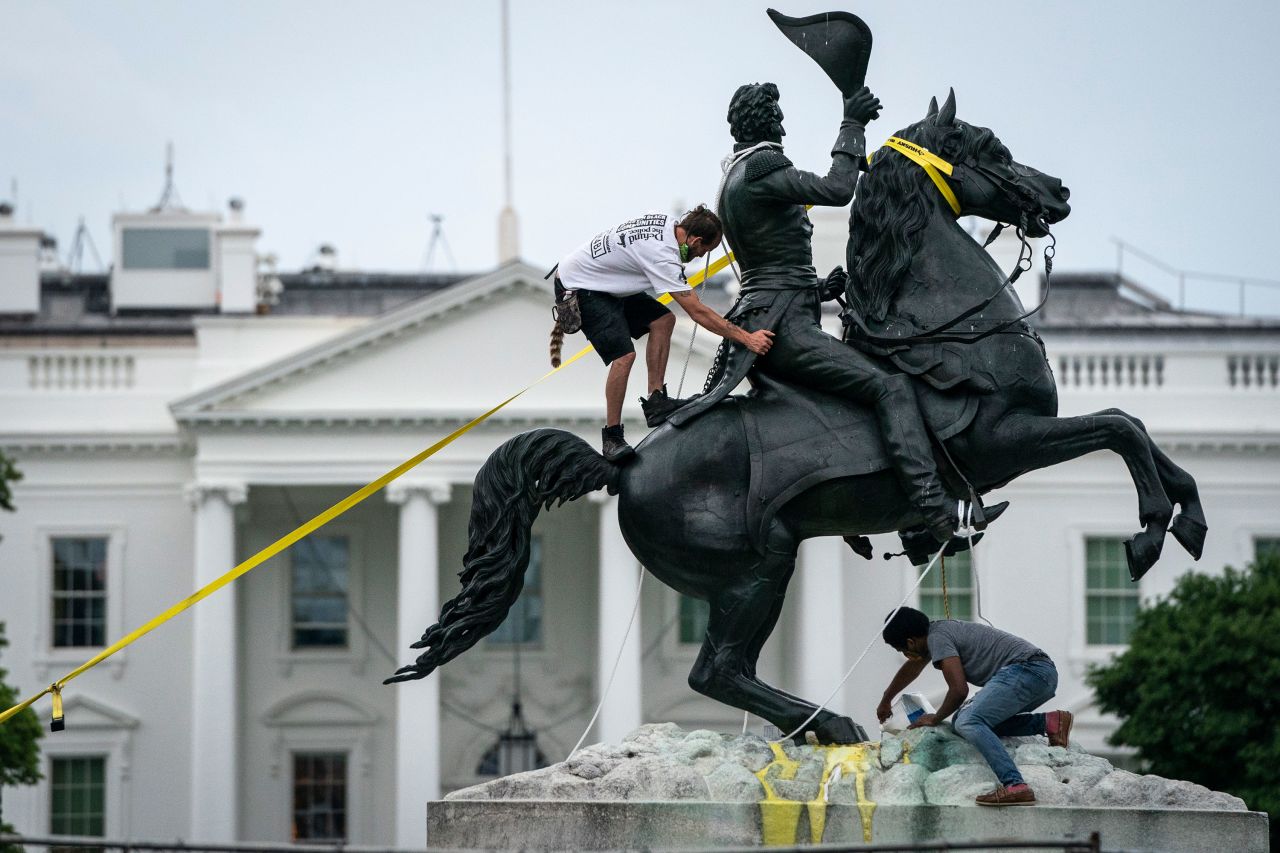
{"points": [[529, 472], [557, 343]]}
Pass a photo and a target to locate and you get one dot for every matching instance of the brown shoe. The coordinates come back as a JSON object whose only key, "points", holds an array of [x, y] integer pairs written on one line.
{"points": [[1060, 723], [1014, 795]]}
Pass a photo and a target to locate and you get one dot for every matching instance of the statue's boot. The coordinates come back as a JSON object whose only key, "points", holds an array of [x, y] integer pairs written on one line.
{"points": [[907, 442], [919, 546]]}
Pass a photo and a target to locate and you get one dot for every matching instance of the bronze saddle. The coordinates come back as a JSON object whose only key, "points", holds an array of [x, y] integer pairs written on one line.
{"points": [[833, 437]]}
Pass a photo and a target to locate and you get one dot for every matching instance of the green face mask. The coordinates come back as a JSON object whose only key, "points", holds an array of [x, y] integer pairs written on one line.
{"points": [[684, 253]]}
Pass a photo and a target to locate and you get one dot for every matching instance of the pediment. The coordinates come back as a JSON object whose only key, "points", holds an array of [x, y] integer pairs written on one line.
{"points": [[447, 356], [316, 708], [84, 714]]}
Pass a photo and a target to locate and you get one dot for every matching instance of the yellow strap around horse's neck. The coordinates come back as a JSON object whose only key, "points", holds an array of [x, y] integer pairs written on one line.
{"points": [[930, 162]]}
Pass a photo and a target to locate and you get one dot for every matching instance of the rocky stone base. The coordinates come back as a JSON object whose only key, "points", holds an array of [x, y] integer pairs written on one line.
{"points": [[665, 787]]}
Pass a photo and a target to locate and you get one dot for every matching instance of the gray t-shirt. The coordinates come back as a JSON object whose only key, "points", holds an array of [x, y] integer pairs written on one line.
{"points": [[982, 649]]}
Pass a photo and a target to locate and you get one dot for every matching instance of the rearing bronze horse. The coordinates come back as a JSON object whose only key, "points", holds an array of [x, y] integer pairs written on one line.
{"points": [[690, 505]]}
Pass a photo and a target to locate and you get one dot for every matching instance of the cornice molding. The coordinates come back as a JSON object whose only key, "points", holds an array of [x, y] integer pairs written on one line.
{"points": [[408, 419], [171, 443]]}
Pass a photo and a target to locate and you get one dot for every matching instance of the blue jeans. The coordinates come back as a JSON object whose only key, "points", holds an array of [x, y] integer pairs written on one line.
{"points": [[999, 710]]}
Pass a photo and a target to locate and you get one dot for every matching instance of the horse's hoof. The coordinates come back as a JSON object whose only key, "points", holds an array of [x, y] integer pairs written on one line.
{"points": [[840, 731], [1141, 553], [1190, 534]]}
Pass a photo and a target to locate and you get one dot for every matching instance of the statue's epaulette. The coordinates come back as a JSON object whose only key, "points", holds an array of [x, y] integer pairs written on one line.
{"points": [[765, 162]]}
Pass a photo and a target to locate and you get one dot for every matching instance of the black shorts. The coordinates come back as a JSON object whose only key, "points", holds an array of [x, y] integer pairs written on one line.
{"points": [[611, 322]]}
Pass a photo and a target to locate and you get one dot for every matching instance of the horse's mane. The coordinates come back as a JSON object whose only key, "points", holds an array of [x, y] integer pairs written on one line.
{"points": [[892, 207]]}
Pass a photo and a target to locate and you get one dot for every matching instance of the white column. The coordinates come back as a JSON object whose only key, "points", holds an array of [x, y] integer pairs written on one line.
{"points": [[820, 621], [619, 574], [417, 702], [215, 693]]}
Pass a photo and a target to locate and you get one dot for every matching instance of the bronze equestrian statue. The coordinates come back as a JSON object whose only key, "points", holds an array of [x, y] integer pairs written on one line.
{"points": [[717, 506]]}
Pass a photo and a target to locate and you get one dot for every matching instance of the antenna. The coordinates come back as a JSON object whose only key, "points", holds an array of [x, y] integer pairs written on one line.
{"points": [[169, 198], [508, 222], [75, 255], [438, 238]]}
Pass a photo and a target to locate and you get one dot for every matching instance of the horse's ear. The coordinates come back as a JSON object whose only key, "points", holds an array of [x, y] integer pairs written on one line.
{"points": [[947, 115], [933, 108]]}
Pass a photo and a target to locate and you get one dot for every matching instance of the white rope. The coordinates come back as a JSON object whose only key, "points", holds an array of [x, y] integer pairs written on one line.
{"points": [[605, 694], [977, 584], [839, 686], [731, 159], [692, 337], [745, 716]]}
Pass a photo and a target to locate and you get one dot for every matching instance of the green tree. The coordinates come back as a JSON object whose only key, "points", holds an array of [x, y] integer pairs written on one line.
{"points": [[19, 751], [8, 474], [1198, 689]]}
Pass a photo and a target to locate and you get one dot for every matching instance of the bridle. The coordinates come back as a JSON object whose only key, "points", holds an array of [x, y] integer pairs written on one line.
{"points": [[1027, 202]]}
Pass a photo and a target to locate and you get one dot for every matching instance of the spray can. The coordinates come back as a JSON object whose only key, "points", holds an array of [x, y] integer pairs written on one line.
{"points": [[907, 708]]}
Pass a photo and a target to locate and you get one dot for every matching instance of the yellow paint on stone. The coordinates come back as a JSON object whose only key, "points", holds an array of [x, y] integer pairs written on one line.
{"points": [[780, 818]]}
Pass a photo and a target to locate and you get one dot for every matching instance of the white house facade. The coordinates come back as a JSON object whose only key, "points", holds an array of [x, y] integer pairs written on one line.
{"points": [[175, 417]]}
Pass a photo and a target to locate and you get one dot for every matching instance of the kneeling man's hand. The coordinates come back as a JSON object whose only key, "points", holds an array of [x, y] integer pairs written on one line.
{"points": [[925, 720]]}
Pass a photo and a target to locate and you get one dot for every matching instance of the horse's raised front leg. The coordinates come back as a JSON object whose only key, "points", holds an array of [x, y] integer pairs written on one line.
{"points": [[1026, 442], [1189, 525], [743, 614]]}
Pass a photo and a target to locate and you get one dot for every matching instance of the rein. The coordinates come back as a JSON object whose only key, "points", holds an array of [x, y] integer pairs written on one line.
{"points": [[934, 166]]}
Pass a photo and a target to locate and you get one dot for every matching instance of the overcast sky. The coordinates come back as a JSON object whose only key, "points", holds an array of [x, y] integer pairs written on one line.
{"points": [[349, 123]]}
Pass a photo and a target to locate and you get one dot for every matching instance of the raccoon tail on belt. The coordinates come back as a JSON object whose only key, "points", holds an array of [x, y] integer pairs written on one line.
{"points": [[557, 344]]}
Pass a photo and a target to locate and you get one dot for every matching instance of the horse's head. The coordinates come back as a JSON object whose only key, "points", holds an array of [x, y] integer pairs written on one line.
{"points": [[938, 163], [985, 178]]}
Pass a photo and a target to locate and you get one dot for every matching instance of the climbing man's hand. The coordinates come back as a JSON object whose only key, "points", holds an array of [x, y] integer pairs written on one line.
{"points": [[759, 342]]}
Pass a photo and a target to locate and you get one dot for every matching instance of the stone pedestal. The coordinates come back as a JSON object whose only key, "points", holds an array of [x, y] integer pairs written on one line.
{"points": [[664, 787]]}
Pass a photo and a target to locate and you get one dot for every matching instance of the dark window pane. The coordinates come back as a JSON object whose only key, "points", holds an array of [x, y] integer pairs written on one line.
{"points": [[524, 621], [694, 614], [77, 795], [165, 248], [320, 796], [321, 572]]}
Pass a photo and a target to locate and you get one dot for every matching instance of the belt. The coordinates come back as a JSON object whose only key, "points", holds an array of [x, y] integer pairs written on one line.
{"points": [[765, 278]]}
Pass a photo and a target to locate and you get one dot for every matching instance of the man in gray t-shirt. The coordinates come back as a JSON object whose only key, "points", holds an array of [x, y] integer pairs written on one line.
{"points": [[1016, 678]]}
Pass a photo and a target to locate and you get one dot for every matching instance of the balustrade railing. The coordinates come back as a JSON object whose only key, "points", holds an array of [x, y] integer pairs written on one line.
{"points": [[80, 371], [1110, 371], [1254, 371]]}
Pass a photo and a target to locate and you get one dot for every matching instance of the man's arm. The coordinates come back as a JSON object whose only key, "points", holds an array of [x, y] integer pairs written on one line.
{"points": [[758, 342], [847, 156], [907, 673], [957, 691]]}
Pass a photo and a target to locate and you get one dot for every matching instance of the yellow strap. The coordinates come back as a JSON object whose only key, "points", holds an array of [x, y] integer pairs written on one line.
{"points": [[930, 162], [309, 527]]}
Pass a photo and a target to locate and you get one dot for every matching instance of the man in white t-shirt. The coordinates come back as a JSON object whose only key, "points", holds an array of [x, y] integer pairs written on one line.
{"points": [[611, 274]]}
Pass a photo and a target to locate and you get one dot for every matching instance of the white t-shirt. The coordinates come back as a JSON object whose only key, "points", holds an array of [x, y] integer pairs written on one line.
{"points": [[631, 258]]}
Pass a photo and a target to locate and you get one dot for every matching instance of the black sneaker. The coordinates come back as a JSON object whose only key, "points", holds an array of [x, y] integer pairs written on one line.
{"points": [[616, 449], [658, 406]]}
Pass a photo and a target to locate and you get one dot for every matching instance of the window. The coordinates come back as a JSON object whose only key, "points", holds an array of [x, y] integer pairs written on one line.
{"points": [[694, 613], [523, 624], [165, 248], [1111, 599], [78, 794], [79, 591], [958, 599], [1266, 546], [319, 796], [321, 574]]}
